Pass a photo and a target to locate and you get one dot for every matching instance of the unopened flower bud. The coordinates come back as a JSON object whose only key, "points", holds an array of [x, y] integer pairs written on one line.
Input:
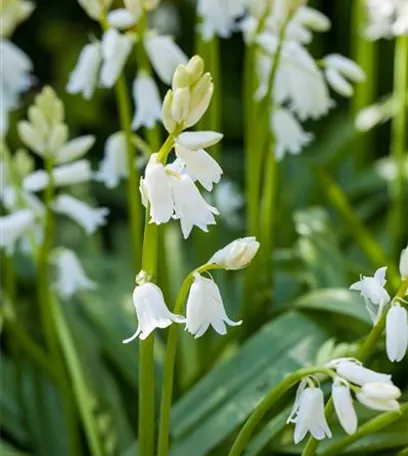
{"points": [[200, 99], [38, 119], [95, 8], [236, 255], [12, 14], [181, 78], [50, 105], [30, 137], [379, 396], [57, 137], [403, 266], [23, 163], [181, 104], [167, 118], [195, 68]]}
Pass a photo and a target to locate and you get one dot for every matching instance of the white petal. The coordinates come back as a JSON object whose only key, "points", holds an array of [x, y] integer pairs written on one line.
{"points": [[147, 101], [338, 82], [396, 333], [343, 404], [360, 375], [121, 19], [75, 148], [195, 140], [345, 66]]}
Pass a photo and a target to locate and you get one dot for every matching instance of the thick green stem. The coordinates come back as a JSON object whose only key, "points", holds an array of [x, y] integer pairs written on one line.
{"points": [[362, 355], [398, 211], [364, 53], [134, 203], [246, 432], [146, 347], [169, 363], [368, 428], [84, 398]]}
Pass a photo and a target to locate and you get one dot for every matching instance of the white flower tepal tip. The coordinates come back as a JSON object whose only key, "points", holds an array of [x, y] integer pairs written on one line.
{"points": [[396, 333], [151, 311], [236, 255], [403, 266], [205, 307]]}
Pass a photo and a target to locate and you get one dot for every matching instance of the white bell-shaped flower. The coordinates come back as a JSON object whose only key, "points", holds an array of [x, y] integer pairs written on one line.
{"points": [[114, 165], [205, 307], [115, 51], [74, 149], [151, 311], [84, 77], [339, 70], [218, 18], [200, 165], [121, 18], [403, 264], [13, 227], [379, 396], [353, 371], [189, 206], [237, 254], [89, 218], [64, 175], [396, 335], [155, 187], [147, 102], [164, 55], [373, 291], [71, 276], [289, 134], [15, 75], [343, 404], [308, 414]]}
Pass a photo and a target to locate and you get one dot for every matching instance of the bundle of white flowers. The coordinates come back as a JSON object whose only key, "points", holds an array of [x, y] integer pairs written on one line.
{"points": [[386, 18], [372, 389], [46, 133], [15, 68], [204, 307], [376, 298], [169, 190], [299, 88]]}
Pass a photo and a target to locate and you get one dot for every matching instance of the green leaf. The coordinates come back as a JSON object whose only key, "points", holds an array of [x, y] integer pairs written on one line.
{"points": [[222, 401], [337, 301]]}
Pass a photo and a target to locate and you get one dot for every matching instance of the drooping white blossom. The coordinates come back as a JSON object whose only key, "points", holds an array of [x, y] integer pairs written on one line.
{"points": [[89, 218], [164, 55], [396, 333], [199, 165], [308, 414], [237, 254], [338, 70], [343, 405], [373, 291], [356, 373], [147, 102], [63, 175], [403, 264], [379, 396], [155, 187], [114, 166], [289, 134], [218, 17], [386, 18], [13, 227], [189, 206], [71, 276], [205, 307], [151, 311], [116, 48], [84, 77]]}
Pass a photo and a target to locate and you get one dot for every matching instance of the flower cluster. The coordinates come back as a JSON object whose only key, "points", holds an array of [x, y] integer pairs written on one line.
{"points": [[296, 84], [46, 134], [204, 306], [16, 66], [372, 389], [376, 298], [386, 18], [169, 190]]}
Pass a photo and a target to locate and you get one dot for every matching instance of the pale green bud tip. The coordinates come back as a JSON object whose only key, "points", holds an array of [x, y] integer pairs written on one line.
{"points": [[181, 78], [168, 121], [403, 266], [23, 163], [181, 105], [195, 68]]}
